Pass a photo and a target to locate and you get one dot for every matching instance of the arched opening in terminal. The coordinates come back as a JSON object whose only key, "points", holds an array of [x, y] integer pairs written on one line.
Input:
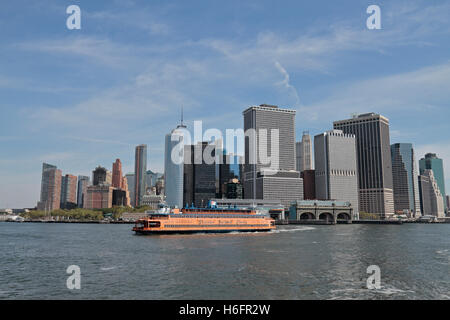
{"points": [[343, 216], [307, 216], [326, 216]]}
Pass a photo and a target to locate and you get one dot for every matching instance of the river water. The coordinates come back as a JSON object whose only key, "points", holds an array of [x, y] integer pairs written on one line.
{"points": [[293, 262]]}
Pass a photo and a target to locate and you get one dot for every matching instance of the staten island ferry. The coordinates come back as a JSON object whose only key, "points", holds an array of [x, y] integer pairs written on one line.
{"points": [[209, 219]]}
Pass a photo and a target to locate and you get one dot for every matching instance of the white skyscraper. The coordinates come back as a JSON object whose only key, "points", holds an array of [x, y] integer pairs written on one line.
{"points": [[432, 202], [336, 168], [174, 167], [260, 181]]}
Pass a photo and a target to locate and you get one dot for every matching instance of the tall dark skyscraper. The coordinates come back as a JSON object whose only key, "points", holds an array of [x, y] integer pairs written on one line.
{"points": [[199, 185], [100, 176], [229, 167], [83, 183], [68, 192], [432, 162], [140, 168], [404, 174], [374, 162]]}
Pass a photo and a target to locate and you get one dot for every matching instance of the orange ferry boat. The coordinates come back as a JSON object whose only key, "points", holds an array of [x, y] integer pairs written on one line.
{"points": [[210, 219]]}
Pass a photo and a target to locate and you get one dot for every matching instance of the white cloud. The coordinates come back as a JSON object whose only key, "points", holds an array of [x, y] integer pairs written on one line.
{"points": [[100, 50]]}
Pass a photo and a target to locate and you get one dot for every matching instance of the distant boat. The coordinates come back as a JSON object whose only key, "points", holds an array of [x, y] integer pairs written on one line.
{"points": [[15, 219], [428, 218]]}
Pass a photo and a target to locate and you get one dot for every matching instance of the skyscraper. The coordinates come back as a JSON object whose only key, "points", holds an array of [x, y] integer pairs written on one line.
{"points": [[130, 182], [117, 174], [140, 168], [68, 192], [150, 179], [199, 185], [101, 176], [374, 162], [432, 202], [229, 168], [275, 179], [404, 174], [50, 188], [432, 162], [336, 173], [303, 150], [83, 183], [174, 168]]}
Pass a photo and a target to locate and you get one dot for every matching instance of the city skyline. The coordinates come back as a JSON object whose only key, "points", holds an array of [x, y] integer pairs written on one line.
{"points": [[104, 92]]}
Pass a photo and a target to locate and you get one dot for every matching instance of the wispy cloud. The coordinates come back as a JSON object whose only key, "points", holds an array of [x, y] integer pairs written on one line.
{"points": [[101, 50], [286, 82]]}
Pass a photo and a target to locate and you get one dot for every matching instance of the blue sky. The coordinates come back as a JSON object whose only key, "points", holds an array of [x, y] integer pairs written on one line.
{"points": [[80, 98]]}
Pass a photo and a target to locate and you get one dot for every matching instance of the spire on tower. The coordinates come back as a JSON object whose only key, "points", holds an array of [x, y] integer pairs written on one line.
{"points": [[181, 125]]}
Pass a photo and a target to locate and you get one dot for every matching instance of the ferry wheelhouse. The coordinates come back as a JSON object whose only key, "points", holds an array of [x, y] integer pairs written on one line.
{"points": [[210, 219]]}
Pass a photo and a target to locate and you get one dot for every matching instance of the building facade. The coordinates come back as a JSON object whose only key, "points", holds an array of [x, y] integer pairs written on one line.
{"points": [[376, 193], [199, 181], [68, 192], [130, 181], [309, 184], [99, 197], [50, 198], [277, 178], [101, 176], [83, 183], [336, 173], [174, 168], [330, 212], [448, 203], [432, 162], [117, 174], [140, 168], [405, 182], [431, 198], [233, 189], [303, 150]]}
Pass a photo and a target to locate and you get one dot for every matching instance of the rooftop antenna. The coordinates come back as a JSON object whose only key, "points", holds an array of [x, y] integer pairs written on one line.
{"points": [[181, 125]]}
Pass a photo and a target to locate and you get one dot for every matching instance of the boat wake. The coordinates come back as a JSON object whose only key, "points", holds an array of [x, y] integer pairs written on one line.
{"points": [[293, 229], [107, 268]]}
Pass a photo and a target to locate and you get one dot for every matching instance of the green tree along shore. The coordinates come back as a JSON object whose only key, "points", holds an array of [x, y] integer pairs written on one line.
{"points": [[368, 216], [84, 214]]}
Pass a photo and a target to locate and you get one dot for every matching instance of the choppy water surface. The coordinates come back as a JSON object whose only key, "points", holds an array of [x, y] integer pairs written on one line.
{"points": [[294, 262]]}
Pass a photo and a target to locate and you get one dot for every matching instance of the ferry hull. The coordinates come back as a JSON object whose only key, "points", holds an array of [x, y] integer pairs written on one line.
{"points": [[154, 232]]}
